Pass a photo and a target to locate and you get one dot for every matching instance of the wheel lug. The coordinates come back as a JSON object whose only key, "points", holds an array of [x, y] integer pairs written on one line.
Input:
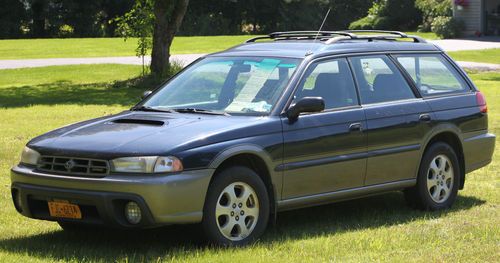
{"points": [[237, 218], [240, 205], [234, 205], [242, 212], [232, 213]]}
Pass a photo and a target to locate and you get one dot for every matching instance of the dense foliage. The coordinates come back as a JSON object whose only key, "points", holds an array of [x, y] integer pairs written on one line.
{"points": [[97, 18], [138, 22], [390, 14], [447, 27], [432, 9]]}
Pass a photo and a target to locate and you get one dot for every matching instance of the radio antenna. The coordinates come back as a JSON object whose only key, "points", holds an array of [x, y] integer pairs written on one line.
{"points": [[324, 20]]}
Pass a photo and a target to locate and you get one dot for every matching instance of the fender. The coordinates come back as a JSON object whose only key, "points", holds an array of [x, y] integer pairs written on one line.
{"points": [[441, 128], [247, 148]]}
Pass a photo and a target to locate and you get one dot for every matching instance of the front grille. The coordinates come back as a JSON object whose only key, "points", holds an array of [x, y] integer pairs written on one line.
{"points": [[73, 166]]}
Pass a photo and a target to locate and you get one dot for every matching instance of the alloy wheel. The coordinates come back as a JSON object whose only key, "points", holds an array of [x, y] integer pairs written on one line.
{"points": [[237, 211], [440, 178]]}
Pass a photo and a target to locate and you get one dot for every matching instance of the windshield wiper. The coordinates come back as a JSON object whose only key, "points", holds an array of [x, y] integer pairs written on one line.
{"points": [[147, 108], [200, 111]]}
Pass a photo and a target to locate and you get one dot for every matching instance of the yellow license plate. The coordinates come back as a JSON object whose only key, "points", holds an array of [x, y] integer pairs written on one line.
{"points": [[62, 208]]}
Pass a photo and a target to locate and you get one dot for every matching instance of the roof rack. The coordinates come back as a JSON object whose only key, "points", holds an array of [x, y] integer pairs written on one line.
{"points": [[289, 35], [330, 37], [391, 35]]}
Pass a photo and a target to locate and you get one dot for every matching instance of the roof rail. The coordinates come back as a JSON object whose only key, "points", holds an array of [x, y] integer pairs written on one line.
{"points": [[331, 37], [396, 34], [302, 35]]}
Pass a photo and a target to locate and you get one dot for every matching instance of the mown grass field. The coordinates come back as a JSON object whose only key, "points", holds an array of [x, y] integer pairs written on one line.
{"points": [[115, 47], [108, 47], [491, 55], [380, 228]]}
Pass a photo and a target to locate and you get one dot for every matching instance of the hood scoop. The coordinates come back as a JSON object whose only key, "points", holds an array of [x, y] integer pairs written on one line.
{"points": [[140, 122]]}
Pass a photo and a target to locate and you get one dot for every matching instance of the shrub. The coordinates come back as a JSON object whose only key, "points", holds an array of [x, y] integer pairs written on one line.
{"points": [[447, 27], [390, 14], [65, 31], [431, 9], [370, 23]]}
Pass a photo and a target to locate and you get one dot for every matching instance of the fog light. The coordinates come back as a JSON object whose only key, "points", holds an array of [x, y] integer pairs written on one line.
{"points": [[16, 197], [133, 213]]}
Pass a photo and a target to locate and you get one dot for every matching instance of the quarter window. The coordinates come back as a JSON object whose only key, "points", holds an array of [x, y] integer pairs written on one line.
{"points": [[331, 80], [433, 75], [379, 80]]}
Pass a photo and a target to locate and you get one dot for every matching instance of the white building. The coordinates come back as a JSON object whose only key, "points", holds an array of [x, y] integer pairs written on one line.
{"points": [[480, 16]]}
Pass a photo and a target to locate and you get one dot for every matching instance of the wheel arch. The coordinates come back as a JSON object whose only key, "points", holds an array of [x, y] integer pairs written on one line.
{"points": [[450, 136], [255, 158]]}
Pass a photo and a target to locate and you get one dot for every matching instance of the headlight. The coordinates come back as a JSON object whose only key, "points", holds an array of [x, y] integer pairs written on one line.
{"points": [[29, 156], [147, 164]]}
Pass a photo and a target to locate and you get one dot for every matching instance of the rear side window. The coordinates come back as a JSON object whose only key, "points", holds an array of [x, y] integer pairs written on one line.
{"points": [[379, 80], [331, 80], [433, 74]]}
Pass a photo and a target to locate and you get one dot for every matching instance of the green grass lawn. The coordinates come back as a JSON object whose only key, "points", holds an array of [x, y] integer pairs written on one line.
{"points": [[426, 35], [115, 47], [491, 55], [107, 47], [380, 228]]}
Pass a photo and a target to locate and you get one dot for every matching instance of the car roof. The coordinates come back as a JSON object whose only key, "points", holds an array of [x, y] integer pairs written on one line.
{"points": [[300, 45]]}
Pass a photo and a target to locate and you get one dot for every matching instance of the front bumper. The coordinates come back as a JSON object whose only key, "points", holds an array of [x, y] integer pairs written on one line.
{"points": [[164, 199]]}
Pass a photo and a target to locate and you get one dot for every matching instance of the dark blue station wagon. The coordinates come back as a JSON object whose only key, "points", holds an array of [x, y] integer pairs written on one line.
{"points": [[283, 121]]}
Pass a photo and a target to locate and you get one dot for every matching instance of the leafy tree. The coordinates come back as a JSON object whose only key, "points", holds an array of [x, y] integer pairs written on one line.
{"points": [[138, 22], [168, 18], [11, 18], [432, 9], [38, 10], [112, 9], [390, 14], [212, 17]]}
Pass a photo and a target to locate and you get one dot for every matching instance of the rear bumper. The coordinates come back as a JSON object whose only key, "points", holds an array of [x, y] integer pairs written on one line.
{"points": [[478, 151], [163, 199]]}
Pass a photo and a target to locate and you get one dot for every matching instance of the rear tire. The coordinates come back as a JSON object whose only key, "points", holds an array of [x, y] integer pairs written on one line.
{"points": [[236, 209], [437, 181]]}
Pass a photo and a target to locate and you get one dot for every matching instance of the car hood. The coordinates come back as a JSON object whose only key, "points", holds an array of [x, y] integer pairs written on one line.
{"points": [[147, 133]]}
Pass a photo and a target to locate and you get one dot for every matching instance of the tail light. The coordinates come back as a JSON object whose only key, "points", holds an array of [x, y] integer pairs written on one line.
{"points": [[481, 102]]}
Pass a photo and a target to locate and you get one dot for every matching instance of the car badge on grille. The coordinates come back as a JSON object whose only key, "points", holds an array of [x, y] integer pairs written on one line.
{"points": [[69, 165]]}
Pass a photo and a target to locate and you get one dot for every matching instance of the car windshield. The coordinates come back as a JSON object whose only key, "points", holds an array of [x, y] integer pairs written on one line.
{"points": [[233, 85]]}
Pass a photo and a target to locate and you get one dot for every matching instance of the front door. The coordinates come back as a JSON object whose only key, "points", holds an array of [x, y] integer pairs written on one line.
{"points": [[325, 152]]}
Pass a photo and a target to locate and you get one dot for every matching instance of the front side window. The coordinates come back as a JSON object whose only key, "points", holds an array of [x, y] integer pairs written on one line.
{"points": [[243, 85], [330, 80], [433, 75], [379, 80]]}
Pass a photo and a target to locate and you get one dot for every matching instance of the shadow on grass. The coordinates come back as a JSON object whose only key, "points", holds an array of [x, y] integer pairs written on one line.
{"points": [[186, 240], [126, 93]]}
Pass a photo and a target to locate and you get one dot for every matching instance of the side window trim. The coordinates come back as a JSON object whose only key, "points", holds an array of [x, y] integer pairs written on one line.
{"points": [[403, 72], [356, 84], [448, 63], [406, 76], [460, 71], [303, 75]]}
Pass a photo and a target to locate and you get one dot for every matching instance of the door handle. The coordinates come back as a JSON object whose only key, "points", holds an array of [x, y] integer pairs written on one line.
{"points": [[424, 117], [355, 127]]}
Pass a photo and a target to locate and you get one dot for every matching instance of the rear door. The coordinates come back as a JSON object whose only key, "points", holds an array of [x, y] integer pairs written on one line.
{"points": [[396, 119], [325, 152]]}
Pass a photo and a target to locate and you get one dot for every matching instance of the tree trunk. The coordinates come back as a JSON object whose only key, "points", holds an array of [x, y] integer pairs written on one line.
{"points": [[168, 18]]}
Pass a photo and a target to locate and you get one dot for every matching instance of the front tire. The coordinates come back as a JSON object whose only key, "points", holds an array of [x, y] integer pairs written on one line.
{"points": [[438, 179], [236, 209]]}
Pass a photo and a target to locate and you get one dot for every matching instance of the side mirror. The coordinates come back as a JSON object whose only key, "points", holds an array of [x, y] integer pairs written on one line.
{"points": [[307, 104], [146, 94]]}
